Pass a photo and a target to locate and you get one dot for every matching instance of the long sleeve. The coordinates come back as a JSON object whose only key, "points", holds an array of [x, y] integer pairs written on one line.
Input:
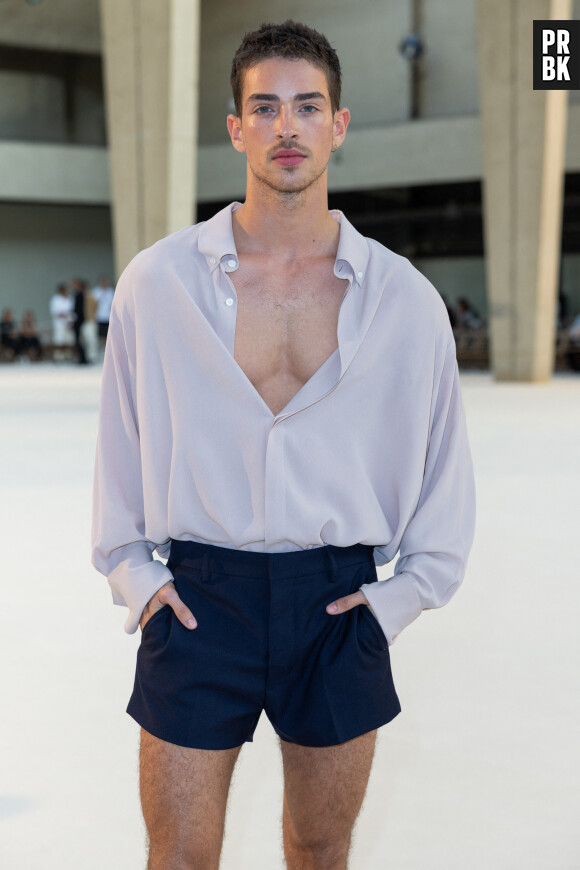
{"points": [[436, 542], [120, 548], [188, 450]]}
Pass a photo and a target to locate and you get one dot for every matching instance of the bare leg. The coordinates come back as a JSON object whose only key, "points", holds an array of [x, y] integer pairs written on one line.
{"points": [[184, 795], [324, 789]]}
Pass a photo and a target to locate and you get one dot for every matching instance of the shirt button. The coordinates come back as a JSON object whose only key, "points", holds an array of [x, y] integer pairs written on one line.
{"points": [[359, 274], [212, 260], [229, 301], [232, 264]]}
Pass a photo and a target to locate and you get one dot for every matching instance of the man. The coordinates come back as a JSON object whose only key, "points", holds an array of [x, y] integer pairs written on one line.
{"points": [[78, 289], [104, 295], [9, 337], [280, 412], [61, 308]]}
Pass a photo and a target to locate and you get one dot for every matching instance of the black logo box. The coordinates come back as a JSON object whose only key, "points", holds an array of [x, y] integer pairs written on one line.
{"points": [[573, 63]]}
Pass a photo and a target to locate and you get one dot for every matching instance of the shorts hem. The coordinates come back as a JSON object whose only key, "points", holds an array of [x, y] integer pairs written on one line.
{"points": [[187, 742], [350, 735]]}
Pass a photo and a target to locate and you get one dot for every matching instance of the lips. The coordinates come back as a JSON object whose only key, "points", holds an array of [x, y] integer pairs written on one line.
{"points": [[289, 157]]}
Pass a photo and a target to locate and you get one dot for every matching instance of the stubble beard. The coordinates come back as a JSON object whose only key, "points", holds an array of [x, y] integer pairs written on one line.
{"points": [[291, 193]]}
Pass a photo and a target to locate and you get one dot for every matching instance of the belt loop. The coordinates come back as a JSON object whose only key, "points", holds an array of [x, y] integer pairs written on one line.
{"points": [[205, 568], [333, 567]]}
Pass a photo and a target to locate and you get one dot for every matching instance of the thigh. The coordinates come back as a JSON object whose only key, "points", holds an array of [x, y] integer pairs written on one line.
{"points": [[324, 787], [184, 795]]}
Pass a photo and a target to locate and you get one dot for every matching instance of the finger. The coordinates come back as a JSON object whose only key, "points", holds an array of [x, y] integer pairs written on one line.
{"points": [[347, 602], [180, 609]]}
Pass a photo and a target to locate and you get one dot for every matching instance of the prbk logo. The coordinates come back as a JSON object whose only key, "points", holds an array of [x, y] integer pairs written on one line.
{"points": [[556, 55]]}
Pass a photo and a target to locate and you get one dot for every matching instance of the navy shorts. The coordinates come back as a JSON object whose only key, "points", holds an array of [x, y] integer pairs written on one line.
{"points": [[264, 641]]}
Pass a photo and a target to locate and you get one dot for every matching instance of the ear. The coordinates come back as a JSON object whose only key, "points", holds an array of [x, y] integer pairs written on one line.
{"points": [[341, 122], [235, 130]]}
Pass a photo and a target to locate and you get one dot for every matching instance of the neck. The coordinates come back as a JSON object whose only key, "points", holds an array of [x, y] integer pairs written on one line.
{"points": [[287, 225]]}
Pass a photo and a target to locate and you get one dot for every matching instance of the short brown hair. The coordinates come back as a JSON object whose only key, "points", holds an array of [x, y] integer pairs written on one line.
{"points": [[294, 41]]}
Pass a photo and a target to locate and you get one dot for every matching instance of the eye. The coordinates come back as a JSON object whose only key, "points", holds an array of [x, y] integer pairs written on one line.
{"points": [[259, 111], [309, 109]]}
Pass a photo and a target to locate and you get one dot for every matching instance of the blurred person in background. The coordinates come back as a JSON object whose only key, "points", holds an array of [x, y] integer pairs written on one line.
{"points": [[104, 294], [78, 291], [574, 330], [9, 335], [562, 309], [573, 352], [29, 337], [467, 315], [89, 330], [62, 313]]}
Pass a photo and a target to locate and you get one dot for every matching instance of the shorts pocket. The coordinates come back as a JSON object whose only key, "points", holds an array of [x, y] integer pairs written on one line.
{"points": [[367, 620], [156, 615]]}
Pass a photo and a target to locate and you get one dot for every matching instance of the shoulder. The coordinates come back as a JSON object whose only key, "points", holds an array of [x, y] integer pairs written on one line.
{"points": [[151, 273], [160, 257], [404, 286], [403, 275]]}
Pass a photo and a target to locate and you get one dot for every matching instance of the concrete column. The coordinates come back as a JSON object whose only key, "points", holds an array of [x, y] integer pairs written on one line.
{"points": [[524, 134], [151, 53]]}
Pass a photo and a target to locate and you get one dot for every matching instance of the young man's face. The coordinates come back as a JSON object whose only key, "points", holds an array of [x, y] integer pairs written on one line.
{"points": [[287, 128]]}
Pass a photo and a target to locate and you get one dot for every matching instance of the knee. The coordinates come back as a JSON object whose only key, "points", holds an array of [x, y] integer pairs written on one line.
{"points": [[318, 855], [174, 850], [178, 858]]}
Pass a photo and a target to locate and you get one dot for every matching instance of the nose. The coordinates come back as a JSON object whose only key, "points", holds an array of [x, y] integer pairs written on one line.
{"points": [[285, 123]]}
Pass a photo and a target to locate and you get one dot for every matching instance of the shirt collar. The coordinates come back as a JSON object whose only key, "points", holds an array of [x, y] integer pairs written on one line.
{"points": [[216, 241], [216, 237], [353, 250]]}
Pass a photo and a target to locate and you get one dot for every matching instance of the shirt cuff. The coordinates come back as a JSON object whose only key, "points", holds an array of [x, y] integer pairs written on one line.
{"points": [[133, 586], [395, 603]]}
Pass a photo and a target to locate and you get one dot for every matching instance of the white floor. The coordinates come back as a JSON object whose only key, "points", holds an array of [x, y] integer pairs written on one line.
{"points": [[481, 771]]}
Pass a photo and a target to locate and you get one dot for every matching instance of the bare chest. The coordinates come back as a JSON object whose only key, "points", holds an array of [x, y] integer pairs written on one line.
{"points": [[286, 327]]}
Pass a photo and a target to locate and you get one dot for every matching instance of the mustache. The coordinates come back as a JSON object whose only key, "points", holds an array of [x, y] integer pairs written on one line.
{"points": [[288, 146]]}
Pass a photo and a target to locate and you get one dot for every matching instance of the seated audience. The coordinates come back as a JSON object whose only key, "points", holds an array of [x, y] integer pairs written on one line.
{"points": [[9, 335], [29, 338], [467, 315]]}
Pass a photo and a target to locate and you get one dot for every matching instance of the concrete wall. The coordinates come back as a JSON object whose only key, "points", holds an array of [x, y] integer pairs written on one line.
{"points": [[34, 172], [65, 25], [33, 106], [449, 73], [52, 98], [449, 84], [43, 245]]}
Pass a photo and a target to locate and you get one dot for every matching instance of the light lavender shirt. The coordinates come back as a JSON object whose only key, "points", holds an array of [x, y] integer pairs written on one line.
{"points": [[373, 448]]}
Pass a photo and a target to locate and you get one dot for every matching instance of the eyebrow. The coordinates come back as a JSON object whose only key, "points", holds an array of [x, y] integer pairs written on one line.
{"points": [[274, 98]]}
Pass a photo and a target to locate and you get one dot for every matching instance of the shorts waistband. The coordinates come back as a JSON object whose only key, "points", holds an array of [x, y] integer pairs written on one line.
{"points": [[247, 563]]}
